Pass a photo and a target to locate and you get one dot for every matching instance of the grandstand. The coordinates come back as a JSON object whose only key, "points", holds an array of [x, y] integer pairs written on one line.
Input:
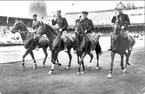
{"points": [[102, 19], [6, 37]]}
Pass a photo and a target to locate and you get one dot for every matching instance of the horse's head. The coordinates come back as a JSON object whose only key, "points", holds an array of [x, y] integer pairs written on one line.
{"points": [[18, 26], [83, 43], [80, 28], [46, 29]]}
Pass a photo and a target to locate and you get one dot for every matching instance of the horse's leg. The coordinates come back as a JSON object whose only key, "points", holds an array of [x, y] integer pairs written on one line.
{"points": [[82, 61], [70, 59], [79, 69], [121, 63], [127, 60], [32, 55], [112, 63], [97, 67], [46, 54], [56, 59], [91, 58], [23, 60], [54, 56], [53, 63], [52, 69]]}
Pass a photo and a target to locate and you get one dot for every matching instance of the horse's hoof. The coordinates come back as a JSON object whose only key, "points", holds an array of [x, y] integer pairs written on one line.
{"points": [[82, 72], [124, 71], [78, 73], [34, 67], [50, 72], [97, 68], [67, 68], [43, 66], [59, 64], [129, 63], [109, 76], [23, 67], [89, 67]]}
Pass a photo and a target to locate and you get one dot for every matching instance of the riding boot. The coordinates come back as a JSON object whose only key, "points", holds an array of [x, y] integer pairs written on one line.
{"points": [[37, 44], [75, 51]]}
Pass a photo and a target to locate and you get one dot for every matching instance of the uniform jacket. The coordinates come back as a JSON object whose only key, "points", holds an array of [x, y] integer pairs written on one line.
{"points": [[123, 20], [35, 24], [62, 23], [88, 24]]}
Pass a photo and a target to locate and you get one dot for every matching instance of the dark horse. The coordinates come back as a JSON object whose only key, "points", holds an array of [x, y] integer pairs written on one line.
{"points": [[56, 47], [85, 45], [126, 42], [29, 42]]}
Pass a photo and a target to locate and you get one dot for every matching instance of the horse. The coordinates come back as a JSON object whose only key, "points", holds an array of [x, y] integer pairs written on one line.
{"points": [[126, 41], [58, 46], [29, 42], [86, 44]]}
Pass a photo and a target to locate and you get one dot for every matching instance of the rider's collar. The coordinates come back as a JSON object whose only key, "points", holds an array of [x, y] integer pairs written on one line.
{"points": [[59, 16], [85, 18]]}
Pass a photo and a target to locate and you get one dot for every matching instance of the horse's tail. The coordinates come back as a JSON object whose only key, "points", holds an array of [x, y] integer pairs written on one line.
{"points": [[98, 49]]}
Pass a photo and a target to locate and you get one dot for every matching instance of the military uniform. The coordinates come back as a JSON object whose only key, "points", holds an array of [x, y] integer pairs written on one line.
{"points": [[88, 25], [62, 23], [122, 20], [35, 24], [87, 28]]}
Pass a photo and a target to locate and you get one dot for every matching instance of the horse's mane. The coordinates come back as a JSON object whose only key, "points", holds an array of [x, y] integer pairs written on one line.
{"points": [[23, 24], [50, 29]]}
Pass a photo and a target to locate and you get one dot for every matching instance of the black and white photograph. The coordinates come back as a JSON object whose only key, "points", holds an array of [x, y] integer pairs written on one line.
{"points": [[72, 47]]}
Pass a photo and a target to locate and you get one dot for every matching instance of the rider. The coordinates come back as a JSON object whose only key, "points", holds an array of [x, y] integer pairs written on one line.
{"points": [[62, 25], [35, 25], [87, 23], [78, 20], [121, 22]]}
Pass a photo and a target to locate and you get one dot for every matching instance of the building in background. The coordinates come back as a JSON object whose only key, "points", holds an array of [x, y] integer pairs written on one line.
{"points": [[6, 23], [102, 19]]}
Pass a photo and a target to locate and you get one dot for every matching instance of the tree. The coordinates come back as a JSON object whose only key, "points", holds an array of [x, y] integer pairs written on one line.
{"points": [[38, 7]]}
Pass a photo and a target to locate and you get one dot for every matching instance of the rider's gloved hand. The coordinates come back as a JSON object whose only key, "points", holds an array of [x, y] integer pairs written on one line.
{"points": [[54, 17], [60, 30], [85, 31], [122, 27]]}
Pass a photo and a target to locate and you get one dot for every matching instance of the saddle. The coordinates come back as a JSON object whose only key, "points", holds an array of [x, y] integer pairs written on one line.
{"points": [[93, 39], [122, 42]]}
